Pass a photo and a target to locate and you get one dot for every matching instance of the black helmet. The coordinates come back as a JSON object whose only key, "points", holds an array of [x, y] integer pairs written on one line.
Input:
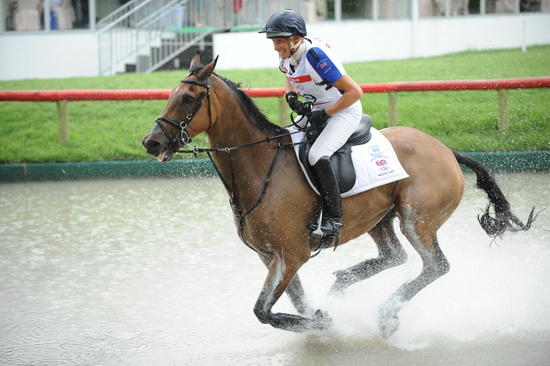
{"points": [[285, 23]]}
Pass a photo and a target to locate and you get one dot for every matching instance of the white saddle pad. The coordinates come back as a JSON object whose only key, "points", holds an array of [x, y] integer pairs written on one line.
{"points": [[375, 162]]}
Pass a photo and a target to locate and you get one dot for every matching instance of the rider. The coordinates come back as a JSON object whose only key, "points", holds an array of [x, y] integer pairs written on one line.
{"points": [[313, 71]]}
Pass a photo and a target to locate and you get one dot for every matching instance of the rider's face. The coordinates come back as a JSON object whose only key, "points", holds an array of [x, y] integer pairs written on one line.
{"points": [[282, 46]]}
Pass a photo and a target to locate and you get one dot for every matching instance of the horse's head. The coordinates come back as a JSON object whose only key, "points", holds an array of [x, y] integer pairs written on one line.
{"points": [[183, 118]]}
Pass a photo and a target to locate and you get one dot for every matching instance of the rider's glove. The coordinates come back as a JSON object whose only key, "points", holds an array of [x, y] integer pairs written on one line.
{"points": [[318, 118], [297, 106]]}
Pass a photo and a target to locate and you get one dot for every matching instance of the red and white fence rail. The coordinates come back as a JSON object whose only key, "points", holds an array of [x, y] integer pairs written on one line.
{"points": [[500, 85]]}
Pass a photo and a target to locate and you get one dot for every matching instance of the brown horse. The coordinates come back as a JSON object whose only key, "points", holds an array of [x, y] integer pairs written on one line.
{"points": [[273, 203]]}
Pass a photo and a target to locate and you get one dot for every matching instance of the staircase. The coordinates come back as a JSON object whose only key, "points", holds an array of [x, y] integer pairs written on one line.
{"points": [[148, 35]]}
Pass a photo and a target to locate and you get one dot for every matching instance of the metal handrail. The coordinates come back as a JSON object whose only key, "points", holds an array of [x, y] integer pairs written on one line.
{"points": [[160, 11], [179, 50], [122, 40], [119, 13], [140, 36], [123, 17]]}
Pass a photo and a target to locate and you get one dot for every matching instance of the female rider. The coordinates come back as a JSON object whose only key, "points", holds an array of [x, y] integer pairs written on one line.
{"points": [[314, 72]]}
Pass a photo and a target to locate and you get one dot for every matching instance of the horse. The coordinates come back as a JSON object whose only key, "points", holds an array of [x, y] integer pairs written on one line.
{"points": [[273, 203]]}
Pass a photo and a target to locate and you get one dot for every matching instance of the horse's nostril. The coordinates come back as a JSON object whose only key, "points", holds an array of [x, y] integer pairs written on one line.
{"points": [[150, 143]]}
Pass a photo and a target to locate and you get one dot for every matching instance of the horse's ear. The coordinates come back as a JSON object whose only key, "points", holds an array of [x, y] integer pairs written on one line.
{"points": [[208, 69], [195, 60]]}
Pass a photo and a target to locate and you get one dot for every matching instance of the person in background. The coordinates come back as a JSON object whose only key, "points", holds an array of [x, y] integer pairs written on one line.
{"points": [[53, 4]]}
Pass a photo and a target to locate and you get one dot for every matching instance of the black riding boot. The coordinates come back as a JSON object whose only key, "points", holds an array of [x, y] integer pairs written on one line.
{"points": [[330, 194]]}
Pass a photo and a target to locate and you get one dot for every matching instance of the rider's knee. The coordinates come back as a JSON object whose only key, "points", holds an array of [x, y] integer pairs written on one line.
{"points": [[314, 155]]}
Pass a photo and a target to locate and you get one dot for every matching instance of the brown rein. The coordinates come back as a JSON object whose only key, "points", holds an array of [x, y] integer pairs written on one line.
{"points": [[239, 212]]}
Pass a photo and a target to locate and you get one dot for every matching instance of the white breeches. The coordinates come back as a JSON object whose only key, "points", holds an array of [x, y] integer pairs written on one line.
{"points": [[338, 130]]}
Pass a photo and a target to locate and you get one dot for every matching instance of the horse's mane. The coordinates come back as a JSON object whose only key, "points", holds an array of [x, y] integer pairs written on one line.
{"points": [[250, 108]]}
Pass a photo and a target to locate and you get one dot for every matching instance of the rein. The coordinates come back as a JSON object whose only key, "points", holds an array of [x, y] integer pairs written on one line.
{"points": [[239, 212], [183, 139], [195, 150]]}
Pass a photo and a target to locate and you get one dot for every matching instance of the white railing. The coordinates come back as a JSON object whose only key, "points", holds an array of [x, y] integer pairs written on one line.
{"points": [[121, 40], [170, 32], [120, 13], [147, 34]]}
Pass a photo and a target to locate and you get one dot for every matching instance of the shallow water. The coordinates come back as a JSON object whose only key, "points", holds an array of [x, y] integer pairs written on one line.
{"points": [[151, 272]]}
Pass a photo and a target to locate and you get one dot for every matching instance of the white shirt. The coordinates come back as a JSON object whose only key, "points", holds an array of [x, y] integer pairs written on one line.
{"points": [[315, 73]]}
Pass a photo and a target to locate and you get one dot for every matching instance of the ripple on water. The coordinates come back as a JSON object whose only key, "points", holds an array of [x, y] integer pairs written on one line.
{"points": [[105, 273]]}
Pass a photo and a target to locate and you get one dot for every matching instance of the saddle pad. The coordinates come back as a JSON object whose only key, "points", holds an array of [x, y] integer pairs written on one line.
{"points": [[375, 162]]}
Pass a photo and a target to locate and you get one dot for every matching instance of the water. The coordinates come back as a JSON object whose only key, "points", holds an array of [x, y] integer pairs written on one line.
{"points": [[151, 272]]}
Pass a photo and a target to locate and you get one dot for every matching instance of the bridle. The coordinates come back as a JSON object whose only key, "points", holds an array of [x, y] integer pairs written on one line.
{"points": [[183, 138]]}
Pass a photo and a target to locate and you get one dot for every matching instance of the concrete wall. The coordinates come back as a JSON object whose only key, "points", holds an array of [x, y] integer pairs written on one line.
{"points": [[519, 161], [41, 55], [357, 41], [60, 54]]}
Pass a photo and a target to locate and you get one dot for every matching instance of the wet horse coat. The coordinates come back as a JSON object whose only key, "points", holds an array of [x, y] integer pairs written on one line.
{"points": [[273, 202]]}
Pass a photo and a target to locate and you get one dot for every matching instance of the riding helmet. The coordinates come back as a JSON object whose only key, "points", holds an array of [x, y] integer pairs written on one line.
{"points": [[285, 23]]}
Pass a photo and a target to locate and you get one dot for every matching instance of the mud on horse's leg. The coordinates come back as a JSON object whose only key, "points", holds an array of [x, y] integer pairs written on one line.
{"points": [[280, 275]]}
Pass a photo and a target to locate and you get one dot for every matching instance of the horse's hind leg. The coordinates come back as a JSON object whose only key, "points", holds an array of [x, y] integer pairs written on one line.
{"points": [[424, 240], [390, 254]]}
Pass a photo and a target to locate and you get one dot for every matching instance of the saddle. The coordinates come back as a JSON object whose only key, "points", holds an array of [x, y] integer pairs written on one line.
{"points": [[341, 159]]}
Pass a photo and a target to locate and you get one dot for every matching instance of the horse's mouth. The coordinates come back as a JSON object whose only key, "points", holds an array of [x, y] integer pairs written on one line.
{"points": [[160, 150], [165, 155]]}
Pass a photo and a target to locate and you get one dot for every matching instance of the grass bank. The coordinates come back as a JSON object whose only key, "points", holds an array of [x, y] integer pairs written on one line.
{"points": [[464, 121]]}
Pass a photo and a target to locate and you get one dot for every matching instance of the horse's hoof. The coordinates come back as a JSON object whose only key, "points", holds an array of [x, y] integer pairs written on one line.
{"points": [[336, 290], [321, 320], [389, 321], [388, 326], [341, 283]]}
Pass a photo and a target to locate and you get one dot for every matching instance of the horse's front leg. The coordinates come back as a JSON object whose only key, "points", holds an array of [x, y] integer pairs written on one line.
{"points": [[294, 290], [281, 277]]}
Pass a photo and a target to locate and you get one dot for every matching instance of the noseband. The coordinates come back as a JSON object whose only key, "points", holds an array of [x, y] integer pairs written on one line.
{"points": [[183, 138]]}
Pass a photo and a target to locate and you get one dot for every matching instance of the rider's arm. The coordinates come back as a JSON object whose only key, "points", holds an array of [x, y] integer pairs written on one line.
{"points": [[351, 93], [325, 69]]}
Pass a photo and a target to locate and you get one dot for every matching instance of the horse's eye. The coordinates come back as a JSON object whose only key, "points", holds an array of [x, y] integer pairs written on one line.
{"points": [[187, 99]]}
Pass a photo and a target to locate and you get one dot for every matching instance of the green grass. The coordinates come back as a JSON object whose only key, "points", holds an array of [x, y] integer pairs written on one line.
{"points": [[465, 121]]}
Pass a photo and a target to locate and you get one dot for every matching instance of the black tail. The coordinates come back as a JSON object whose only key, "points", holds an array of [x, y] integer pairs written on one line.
{"points": [[503, 219]]}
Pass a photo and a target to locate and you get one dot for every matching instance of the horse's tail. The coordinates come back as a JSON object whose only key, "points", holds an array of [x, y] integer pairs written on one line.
{"points": [[503, 219]]}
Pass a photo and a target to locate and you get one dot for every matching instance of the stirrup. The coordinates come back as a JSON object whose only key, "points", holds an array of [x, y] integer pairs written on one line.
{"points": [[317, 228], [326, 238]]}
